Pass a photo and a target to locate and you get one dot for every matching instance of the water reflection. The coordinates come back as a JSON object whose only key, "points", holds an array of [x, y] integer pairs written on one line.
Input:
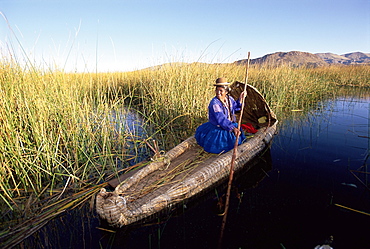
{"points": [[332, 139], [314, 157], [132, 125]]}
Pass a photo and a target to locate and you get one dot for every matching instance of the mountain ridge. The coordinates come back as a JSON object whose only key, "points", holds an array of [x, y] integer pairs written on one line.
{"points": [[298, 58]]}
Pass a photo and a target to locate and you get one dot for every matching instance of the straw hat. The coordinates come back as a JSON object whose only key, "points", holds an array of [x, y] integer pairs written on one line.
{"points": [[221, 82]]}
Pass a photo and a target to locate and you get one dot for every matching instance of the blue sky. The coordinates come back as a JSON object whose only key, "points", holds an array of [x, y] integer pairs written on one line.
{"points": [[112, 35]]}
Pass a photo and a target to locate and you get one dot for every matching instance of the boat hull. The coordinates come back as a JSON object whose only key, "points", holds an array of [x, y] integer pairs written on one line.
{"points": [[135, 199]]}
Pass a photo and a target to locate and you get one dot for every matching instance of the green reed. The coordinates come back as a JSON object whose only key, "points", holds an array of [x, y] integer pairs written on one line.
{"points": [[175, 96], [56, 129]]}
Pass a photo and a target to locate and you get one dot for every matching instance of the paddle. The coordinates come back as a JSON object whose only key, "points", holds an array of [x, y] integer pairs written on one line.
{"points": [[233, 158]]}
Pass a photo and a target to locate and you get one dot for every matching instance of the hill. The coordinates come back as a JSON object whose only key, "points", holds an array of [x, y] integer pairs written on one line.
{"points": [[297, 59], [358, 57], [334, 58]]}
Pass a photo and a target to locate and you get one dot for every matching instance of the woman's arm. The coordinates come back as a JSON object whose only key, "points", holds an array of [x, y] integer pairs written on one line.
{"points": [[218, 117]]}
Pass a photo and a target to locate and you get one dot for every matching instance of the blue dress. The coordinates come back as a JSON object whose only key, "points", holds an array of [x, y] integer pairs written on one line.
{"points": [[216, 135]]}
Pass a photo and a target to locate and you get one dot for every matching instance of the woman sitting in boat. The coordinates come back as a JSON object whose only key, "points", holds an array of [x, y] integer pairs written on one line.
{"points": [[219, 133]]}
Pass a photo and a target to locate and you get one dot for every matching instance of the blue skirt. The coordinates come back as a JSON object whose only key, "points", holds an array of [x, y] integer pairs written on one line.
{"points": [[214, 139]]}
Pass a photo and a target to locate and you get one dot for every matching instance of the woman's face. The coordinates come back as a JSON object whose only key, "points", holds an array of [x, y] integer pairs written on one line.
{"points": [[221, 92]]}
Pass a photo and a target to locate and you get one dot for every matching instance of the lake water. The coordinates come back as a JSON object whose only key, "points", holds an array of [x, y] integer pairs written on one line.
{"points": [[294, 197]]}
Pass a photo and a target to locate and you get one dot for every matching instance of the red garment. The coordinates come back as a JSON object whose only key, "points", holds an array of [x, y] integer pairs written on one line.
{"points": [[248, 127]]}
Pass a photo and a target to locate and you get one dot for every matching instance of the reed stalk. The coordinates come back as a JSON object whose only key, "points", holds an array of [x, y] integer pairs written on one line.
{"points": [[57, 131]]}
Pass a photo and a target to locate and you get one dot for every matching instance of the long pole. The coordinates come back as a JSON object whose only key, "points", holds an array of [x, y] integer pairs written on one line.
{"points": [[233, 158]]}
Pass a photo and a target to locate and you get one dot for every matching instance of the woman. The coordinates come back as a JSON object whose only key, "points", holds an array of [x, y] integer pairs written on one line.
{"points": [[219, 133]]}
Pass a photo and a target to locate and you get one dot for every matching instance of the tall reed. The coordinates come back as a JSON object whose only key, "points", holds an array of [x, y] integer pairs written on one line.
{"points": [[57, 130], [175, 96]]}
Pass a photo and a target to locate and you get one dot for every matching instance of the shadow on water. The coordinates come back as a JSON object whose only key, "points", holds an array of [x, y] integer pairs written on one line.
{"points": [[297, 195]]}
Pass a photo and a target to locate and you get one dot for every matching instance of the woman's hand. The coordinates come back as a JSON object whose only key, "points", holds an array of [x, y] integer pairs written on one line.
{"points": [[236, 131], [243, 94]]}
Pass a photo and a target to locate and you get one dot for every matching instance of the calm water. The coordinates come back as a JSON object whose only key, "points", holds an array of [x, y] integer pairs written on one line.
{"points": [[293, 205]]}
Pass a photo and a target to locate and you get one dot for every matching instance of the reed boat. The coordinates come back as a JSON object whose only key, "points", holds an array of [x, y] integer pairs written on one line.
{"points": [[186, 171]]}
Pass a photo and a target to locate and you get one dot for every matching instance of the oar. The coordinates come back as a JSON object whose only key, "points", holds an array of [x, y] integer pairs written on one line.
{"points": [[233, 158]]}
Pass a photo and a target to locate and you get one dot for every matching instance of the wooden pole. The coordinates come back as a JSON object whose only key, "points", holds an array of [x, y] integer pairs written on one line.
{"points": [[233, 158]]}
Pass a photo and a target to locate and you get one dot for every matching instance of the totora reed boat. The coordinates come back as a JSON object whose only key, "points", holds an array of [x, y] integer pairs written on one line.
{"points": [[186, 170]]}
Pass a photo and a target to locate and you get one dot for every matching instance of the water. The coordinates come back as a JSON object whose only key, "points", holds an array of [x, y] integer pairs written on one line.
{"points": [[293, 205], [132, 124]]}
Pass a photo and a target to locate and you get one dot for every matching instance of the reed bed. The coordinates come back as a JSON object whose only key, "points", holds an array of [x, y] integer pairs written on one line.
{"points": [[176, 96], [57, 135]]}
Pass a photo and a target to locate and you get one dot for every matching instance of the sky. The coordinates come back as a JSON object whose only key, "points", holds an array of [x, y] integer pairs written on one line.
{"points": [[127, 35]]}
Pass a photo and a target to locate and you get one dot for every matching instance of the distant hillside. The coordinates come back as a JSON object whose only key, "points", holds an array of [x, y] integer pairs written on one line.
{"points": [[297, 58], [292, 58], [358, 58], [334, 58]]}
